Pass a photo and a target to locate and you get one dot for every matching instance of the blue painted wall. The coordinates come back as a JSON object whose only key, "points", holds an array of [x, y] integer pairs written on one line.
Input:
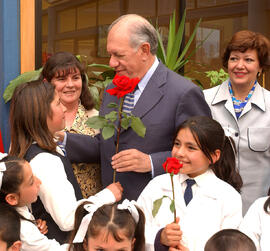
{"points": [[9, 57]]}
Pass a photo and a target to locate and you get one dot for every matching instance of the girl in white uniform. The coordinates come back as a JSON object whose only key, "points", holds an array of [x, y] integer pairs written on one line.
{"points": [[19, 188], [256, 223], [36, 114], [208, 159]]}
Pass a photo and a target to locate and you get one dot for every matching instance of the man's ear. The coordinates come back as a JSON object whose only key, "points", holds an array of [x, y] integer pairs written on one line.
{"points": [[145, 49], [12, 199], [215, 156], [16, 246]]}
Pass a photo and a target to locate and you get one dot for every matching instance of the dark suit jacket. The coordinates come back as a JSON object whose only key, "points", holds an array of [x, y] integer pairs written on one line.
{"points": [[167, 100]]}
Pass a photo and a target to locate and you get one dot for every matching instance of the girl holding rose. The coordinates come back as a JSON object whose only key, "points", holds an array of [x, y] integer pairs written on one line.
{"points": [[210, 204]]}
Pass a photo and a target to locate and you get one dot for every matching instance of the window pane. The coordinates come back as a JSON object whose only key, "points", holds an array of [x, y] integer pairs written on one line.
{"points": [[142, 7], [45, 25], [108, 11], [64, 45], [166, 7], [208, 3], [66, 20], [87, 48], [86, 16]]}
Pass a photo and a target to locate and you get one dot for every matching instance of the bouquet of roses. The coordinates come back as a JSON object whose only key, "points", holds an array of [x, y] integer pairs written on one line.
{"points": [[109, 123], [171, 166]]}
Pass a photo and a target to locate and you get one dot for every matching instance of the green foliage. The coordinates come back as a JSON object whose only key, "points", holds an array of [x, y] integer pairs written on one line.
{"points": [[172, 59], [23, 78], [106, 123], [217, 77]]}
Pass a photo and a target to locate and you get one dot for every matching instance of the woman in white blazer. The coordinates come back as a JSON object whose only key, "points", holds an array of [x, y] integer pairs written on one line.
{"points": [[242, 107], [256, 223]]}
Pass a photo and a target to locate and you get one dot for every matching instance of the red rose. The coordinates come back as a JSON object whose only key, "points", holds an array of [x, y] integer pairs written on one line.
{"points": [[123, 85], [172, 165]]}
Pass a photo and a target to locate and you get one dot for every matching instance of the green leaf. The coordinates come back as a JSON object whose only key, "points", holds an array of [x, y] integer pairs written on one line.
{"points": [[171, 37], [125, 123], [112, 116], [107, 82], [96, 122], [189, 41], [138, 126], [108, 131], [157, 204], [23, 78], [112, 105], [172, 206], [177, 43], [161, 54]]}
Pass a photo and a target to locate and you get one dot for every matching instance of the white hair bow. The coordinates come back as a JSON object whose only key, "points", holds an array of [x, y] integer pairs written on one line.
{"points": [[91, 209], [2, 167], [130, 206]]}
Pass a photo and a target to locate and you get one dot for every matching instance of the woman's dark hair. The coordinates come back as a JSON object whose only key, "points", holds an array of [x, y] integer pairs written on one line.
{"points": [[62, 64], [113, 219], [266, 206], [209, 135], [244, 40], [29, 108], [10, 224], [229, 240]]}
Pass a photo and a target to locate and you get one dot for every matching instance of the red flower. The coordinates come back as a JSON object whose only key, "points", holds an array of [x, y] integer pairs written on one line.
{"points": [[123, 85], [172, 165]]}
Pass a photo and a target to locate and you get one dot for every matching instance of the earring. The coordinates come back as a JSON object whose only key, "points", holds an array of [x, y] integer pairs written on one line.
{"points": [[258, 74]]}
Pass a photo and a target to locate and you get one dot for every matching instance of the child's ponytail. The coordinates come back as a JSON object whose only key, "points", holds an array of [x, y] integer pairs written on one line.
{"points": [[139, 232], [225, 167]]}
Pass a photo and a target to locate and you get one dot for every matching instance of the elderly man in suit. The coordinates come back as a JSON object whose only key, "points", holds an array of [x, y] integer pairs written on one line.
{"points": [[163, 100]]}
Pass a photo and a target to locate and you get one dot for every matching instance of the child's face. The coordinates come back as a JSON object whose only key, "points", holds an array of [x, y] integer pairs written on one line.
{"points": [[101, 243], [30, 187], [188, 152], [56, 122]]}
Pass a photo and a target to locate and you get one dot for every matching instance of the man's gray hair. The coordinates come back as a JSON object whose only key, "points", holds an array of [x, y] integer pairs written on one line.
{"points": [[140, 31]]}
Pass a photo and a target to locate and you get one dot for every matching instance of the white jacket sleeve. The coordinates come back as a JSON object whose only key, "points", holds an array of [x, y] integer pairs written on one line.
{"points": [[57, 193], [33, 240]]}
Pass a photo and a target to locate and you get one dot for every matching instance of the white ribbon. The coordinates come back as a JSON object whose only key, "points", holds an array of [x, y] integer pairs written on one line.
{"points": [[2, 167], [91, 209], [130, 206]]}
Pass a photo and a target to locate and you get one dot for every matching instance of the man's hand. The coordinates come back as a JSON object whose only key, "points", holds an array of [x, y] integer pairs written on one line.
{"points": [[117, 190], [171, 234], [131, 160], [42, 226]]}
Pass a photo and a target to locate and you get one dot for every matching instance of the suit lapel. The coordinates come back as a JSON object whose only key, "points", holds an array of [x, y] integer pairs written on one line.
{"points": [[152, 92]]}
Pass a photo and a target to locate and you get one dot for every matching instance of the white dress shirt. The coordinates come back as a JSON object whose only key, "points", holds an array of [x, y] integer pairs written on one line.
{"points": [[215, 205]]}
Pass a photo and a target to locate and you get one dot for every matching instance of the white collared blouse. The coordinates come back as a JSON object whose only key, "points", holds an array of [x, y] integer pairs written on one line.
{"points": [[215, 205]]}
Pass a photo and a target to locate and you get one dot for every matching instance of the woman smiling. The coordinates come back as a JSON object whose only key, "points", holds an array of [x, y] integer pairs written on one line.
{"points": [[66, 73], [242, 107]]}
